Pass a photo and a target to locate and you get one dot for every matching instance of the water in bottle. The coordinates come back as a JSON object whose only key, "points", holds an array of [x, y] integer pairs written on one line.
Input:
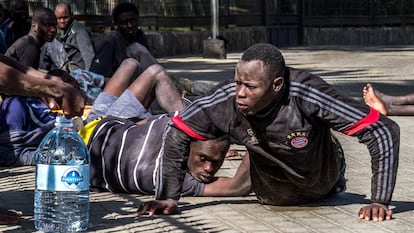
{"points": [[61, 198]]}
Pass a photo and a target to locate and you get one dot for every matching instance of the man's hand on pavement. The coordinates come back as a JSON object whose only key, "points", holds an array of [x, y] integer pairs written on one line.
{"points": [[376, 212], [165, 207]]}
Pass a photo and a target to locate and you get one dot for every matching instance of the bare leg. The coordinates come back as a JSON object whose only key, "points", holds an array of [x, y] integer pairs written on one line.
{"points": [[395, 99], [154, 83], [399, 100], [122, 78], [372, 100], [142, 55], [401, 110], [388, 104]]}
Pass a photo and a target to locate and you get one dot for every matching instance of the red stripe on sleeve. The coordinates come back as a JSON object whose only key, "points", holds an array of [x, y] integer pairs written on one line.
{"points": [[179, 123], [371, 118]]}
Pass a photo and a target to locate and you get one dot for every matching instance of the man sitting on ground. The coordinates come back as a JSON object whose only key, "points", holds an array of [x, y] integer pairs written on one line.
{"points": [[73, 39], [26, 50], [127, 41]]}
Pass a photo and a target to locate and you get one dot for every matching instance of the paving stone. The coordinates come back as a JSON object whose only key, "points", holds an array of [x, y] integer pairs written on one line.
{"points": [[348, 68]]}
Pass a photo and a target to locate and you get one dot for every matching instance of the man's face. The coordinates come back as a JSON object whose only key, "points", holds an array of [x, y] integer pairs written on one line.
{"points": [[205, 159], [46, 28], [127, 24], [64, 17], [2, 16], [254, 92], [21, 10]]}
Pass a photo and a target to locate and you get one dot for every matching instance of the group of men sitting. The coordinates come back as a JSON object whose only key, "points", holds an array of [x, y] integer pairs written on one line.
{"points": [[55, 40], [283, 116]]}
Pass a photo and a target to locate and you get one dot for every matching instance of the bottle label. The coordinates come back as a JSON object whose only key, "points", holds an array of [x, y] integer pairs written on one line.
{"points": [[62, 177]]}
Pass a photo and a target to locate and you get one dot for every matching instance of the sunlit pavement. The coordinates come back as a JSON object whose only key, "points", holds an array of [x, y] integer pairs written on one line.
{"points": [[348, 68]]}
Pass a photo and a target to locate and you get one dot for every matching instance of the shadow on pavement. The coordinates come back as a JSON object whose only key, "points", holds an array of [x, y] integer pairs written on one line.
{"points": [[347, 198]]}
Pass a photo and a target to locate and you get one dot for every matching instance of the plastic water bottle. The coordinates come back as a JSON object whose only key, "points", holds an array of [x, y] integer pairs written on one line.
{"points": [[61, 198]]}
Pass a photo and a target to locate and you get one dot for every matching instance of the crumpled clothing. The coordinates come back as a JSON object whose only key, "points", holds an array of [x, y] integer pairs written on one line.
{"points": [[91, 83]]}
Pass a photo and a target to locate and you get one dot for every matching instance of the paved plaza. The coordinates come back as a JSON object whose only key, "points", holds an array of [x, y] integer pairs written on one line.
{"points": [[390, 69]]}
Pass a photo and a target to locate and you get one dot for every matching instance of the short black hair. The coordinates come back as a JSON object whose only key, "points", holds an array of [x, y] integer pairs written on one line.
{"points": [[40, 13], [269, 55], [122, 8], [225, 139]]}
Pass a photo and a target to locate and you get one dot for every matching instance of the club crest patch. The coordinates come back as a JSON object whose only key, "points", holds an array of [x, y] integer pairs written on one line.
{"points": [[298, 139]]}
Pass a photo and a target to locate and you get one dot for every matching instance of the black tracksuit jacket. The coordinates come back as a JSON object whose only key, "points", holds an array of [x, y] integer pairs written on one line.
{"points": [[292, 156]]}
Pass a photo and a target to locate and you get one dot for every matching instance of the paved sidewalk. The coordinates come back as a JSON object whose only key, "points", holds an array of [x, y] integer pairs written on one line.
{"points": [[348, 68]]}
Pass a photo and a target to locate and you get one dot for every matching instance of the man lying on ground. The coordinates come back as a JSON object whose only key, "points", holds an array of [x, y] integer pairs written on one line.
{"points": [[124, 144], [17, 79], [388, 105]]}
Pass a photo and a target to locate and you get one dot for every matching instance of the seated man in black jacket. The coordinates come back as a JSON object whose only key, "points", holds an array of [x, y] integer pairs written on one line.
{"points": [[127, 41]]}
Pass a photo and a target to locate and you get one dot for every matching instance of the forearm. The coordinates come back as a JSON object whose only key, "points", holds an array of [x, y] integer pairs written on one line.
{"points": [[384, 151], [172, 166], [238, 185], [22, 68], [227, 188], [14, 82]]}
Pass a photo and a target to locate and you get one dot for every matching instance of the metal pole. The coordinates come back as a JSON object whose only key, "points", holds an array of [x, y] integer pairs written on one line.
{"points": [[214, 19]]}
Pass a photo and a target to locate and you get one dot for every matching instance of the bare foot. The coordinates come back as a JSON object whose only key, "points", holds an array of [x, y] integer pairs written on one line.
{"points": [[9, 217], [373, 100]]}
